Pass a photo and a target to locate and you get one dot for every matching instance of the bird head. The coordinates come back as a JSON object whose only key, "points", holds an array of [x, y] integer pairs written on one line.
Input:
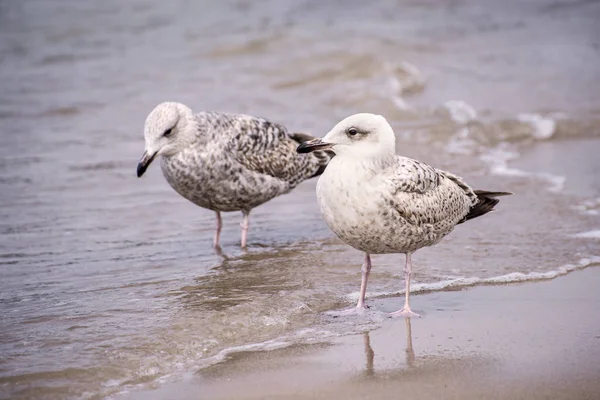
{"points": [[168, 129], [358, 136]]}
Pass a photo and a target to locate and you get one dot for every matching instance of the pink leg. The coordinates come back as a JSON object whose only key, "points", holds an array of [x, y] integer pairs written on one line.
{"points": [[218, 231], [245, 223], [360, 306], [366, 269], [406, 311]]}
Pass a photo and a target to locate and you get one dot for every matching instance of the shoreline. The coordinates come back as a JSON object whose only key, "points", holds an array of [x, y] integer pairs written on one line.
{"points": [[531, 340]]}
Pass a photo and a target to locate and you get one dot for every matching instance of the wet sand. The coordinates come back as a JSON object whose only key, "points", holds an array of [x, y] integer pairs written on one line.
{"points": [[536, 340]]}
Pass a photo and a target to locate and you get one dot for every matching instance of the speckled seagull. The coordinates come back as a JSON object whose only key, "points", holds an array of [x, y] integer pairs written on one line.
{"points": [[226, 162], [379, 202]]}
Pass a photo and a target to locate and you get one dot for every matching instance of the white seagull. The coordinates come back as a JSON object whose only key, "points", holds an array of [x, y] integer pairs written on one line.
{"points": [[226, 162], [379, 202]]}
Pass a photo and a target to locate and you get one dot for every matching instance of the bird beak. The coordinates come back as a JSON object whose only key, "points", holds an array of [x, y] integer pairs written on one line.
{"points": [[312, 145], [144, 163]]}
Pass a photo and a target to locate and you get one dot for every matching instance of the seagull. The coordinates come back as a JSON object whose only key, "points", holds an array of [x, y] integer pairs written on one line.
{"points": [[226, 162], [380, 203]]}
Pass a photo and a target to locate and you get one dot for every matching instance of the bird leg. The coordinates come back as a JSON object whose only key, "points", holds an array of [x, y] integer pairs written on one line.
{"points": [[218, 231], [406, 311], [244, 225], [366, 269], [360, 306]]}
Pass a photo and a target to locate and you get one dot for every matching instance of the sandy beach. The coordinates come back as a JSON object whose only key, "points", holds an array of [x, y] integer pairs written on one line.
{"points": [[537, 340]]}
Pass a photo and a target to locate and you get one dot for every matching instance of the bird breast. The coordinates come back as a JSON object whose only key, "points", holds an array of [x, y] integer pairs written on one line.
{"points": [[358, 206], [351, 202], [343, 193]]}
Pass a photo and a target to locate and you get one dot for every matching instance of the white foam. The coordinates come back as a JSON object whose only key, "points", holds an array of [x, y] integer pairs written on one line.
{"points": [[588, 235], [403, 78], [459, 111], [541, 127], [514, 277], [307, 335], [461, 143], [400, 103], [499, 157], [302, 336], [589, 207]]}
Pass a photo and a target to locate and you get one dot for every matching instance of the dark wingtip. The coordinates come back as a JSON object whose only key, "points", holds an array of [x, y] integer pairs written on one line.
{"points": [[303, 148], [486, 201], [492, 194], [301, 137]]}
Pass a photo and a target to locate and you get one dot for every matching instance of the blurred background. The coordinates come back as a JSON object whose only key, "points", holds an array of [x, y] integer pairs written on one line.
{"points": [[109, 283]]}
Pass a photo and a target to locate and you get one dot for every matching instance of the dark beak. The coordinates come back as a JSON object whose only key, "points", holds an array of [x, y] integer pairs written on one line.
{"points": [[144, 163], [312, 145]]}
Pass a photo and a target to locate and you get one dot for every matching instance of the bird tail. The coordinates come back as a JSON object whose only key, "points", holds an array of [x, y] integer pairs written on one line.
{"points": [[486, 201], [321, 156]]}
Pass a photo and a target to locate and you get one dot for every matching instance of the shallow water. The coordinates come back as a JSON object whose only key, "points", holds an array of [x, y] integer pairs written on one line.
{"points": [[109, 283]]}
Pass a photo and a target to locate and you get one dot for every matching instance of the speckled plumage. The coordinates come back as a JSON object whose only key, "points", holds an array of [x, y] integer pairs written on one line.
{"points": [[379, 202], [396, 206], [237, 162], [227, 162]]}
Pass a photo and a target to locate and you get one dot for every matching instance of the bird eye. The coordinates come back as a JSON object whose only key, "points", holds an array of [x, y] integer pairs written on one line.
{"points": [[352, 131], [168, 132]]}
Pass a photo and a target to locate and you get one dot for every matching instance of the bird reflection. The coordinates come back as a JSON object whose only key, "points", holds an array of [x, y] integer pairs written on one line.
{"points": [[246, 277], [410, 353], [370, 353], [219, 251]]}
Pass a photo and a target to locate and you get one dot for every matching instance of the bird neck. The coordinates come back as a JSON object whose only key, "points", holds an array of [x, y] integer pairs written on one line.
{"points": [[197, 129]]}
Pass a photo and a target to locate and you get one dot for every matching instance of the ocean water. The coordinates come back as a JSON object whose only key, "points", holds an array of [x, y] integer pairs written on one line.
{"points": [[109, 283]]}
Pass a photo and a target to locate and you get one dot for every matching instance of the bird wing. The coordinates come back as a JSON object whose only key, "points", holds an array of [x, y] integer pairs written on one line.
{"points": [[422, 194], [412, 176], [265, 147]]}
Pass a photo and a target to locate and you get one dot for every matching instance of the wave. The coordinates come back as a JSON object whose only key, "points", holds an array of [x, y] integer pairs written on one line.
{"points": [[588, 207], [458, 111], [458, 128], [464, 282], [522, 128], [497, 159], [404, 79], [588, 235], [333, 328], [541, 127], [457, 118], [300, 337]]}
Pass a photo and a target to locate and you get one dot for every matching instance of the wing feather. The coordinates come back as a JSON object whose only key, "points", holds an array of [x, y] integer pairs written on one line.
{"points": [[266, 148], [424, 195]]}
